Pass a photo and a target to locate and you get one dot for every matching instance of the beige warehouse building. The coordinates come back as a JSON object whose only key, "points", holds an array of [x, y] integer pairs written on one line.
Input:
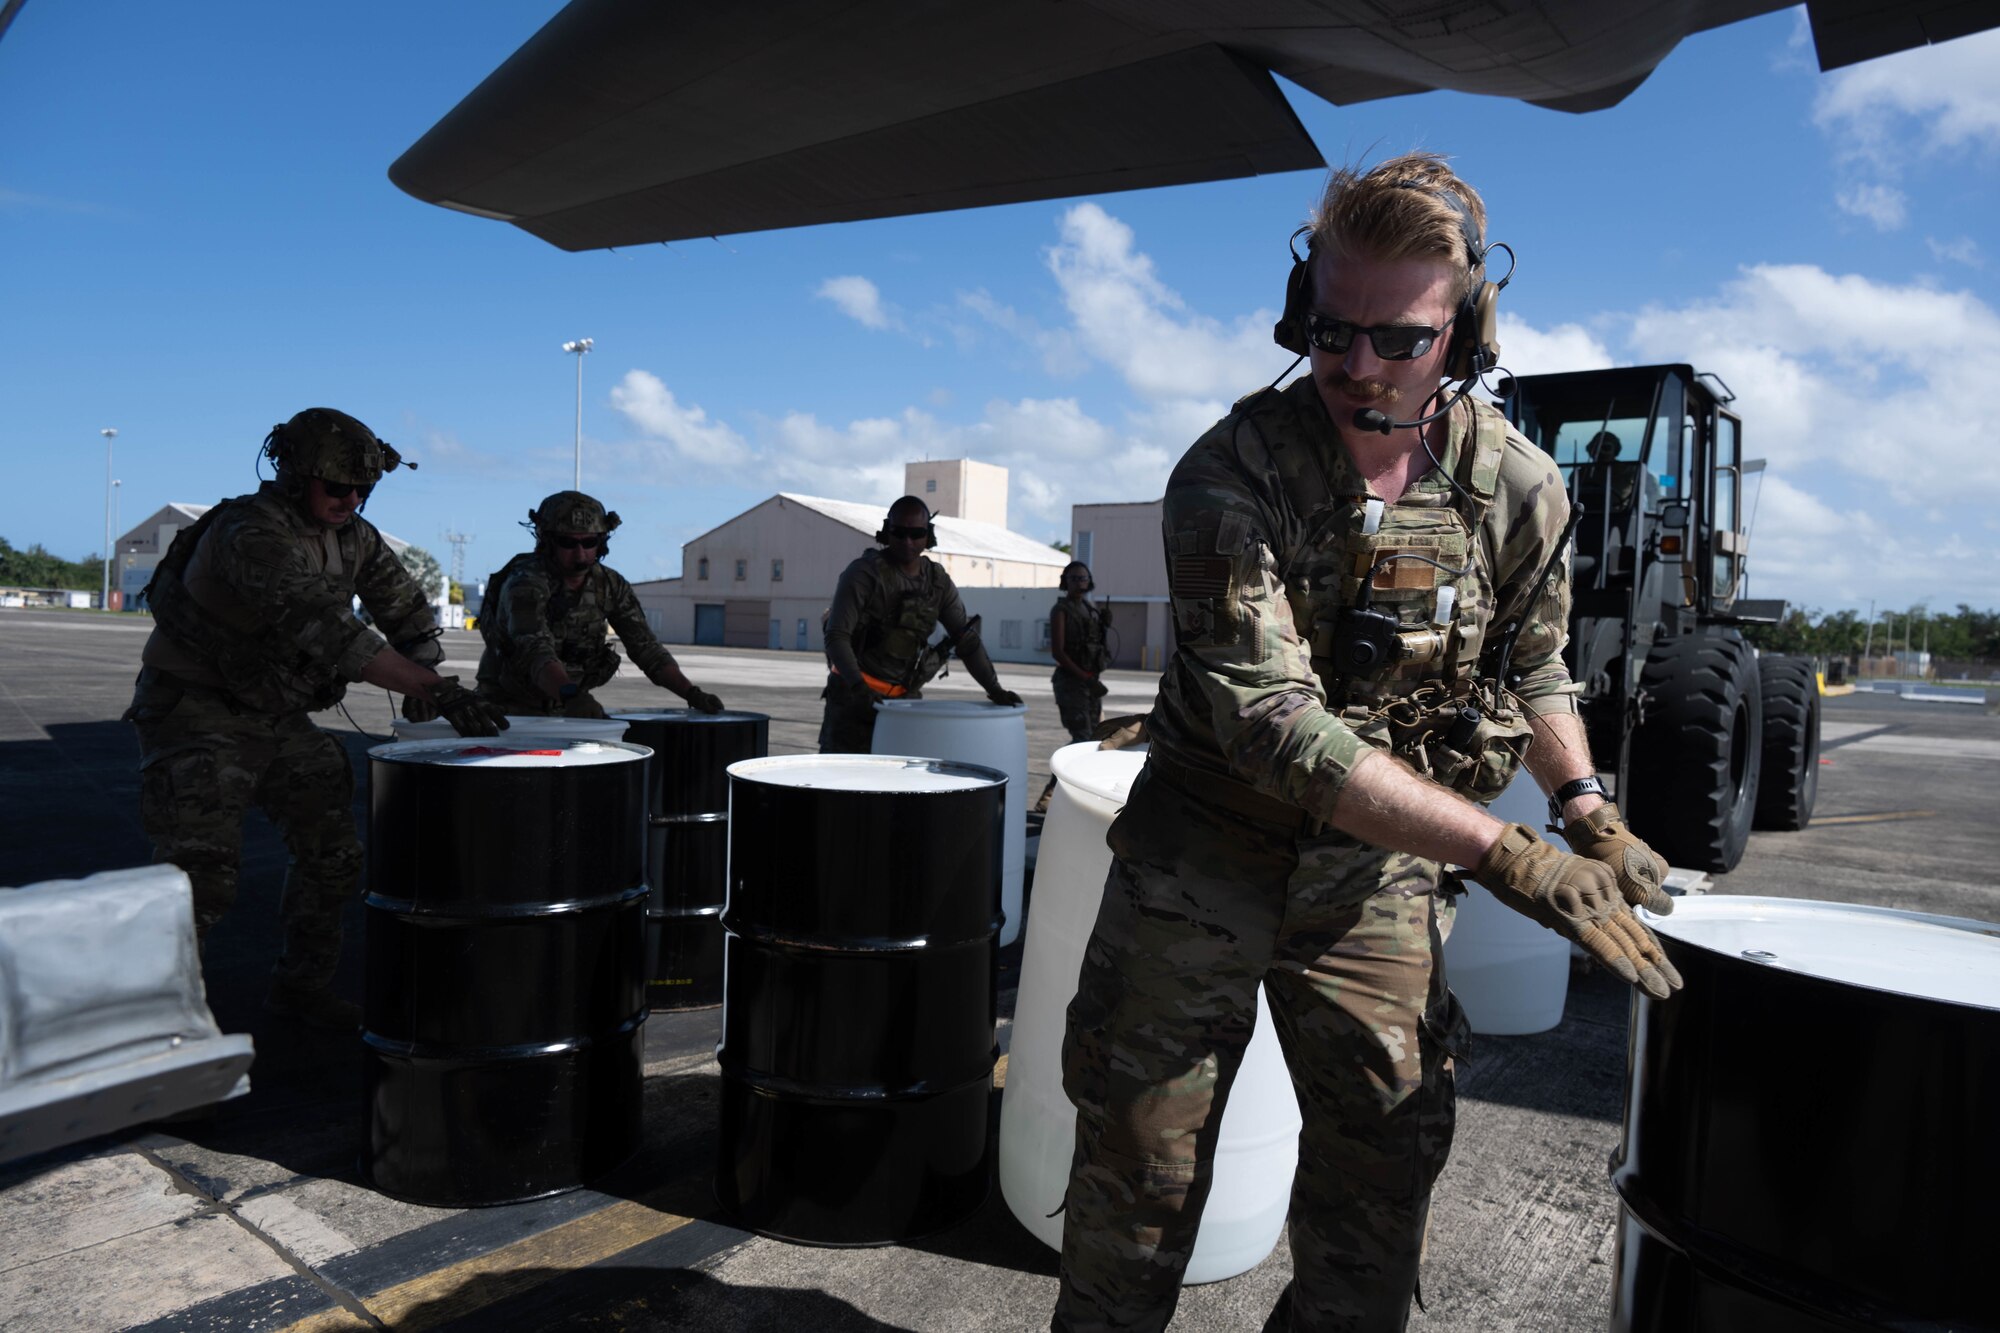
{"points": [[764, 578]]}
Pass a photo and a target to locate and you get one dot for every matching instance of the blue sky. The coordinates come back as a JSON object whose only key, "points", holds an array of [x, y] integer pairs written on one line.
{"points": [[198, 237]]}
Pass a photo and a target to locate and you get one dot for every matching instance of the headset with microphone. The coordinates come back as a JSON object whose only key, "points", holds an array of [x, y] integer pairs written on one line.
{"points": [[1474, 347], [909, 502], [1089, 582]]}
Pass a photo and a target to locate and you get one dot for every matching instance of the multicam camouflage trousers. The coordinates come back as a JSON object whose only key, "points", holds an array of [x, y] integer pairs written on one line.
{"points": [[202, 765], [1079, 703], [1200, 906]]}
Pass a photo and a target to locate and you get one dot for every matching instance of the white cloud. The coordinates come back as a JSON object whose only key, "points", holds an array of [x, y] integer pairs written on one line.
{"points": [[1964, 251], [1884, 205], [1948, 89], [1125, 317], [1884, 116], [859, 299], [1868, 400], [1821, 554], [686, 432], [1526, 350]]}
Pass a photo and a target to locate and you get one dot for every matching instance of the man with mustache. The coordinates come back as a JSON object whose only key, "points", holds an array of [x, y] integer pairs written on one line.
{"points": [[1370, 604]]}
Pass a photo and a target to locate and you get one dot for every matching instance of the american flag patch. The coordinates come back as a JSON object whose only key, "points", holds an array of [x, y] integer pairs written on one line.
{"points": [[1201, 576]]}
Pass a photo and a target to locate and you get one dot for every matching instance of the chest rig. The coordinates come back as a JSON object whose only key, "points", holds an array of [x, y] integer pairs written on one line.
{"points": [[253, 652], [1083, 637], [1396, 602], [896, 628]]}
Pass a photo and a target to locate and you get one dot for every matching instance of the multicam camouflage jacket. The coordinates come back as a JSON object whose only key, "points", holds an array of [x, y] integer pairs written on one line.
{"points": [[256, 600], [881, 623], [1268, 539], [528, 619]]}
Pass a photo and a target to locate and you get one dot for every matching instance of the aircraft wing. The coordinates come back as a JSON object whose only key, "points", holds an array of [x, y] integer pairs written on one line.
{"points": [[624, 122]]}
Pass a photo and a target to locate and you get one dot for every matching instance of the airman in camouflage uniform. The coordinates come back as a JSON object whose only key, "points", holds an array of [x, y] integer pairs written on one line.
{"points": [[253, 631], [878, 632], [1341, 695], [545, 614], [1076, 640]]}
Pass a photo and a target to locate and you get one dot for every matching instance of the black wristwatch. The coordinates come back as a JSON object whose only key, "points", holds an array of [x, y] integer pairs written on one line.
{"points": [[1569, 791]]}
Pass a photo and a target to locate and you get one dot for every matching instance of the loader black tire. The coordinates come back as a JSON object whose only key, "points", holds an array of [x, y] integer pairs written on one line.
{"points": [[1790, 783], [1697, 757]]}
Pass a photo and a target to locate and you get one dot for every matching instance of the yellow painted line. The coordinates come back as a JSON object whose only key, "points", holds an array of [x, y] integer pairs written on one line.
{"points": [[1887, 816], [1000, 1073], [459, 1289]]}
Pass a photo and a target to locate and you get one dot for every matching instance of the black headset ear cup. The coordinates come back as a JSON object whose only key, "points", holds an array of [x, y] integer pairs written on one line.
{"points": [[1290, 330], [1475, 339]]}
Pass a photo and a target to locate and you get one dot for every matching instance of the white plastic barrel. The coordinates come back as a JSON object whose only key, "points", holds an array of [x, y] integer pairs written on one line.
{"points": [[519, 729], [1511, 975], [972, 732], [1259, 1145]]}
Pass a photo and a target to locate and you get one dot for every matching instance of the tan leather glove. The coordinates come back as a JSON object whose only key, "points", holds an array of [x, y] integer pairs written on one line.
{"points": [[469, 714], [1602, 835], [1577, 898]]}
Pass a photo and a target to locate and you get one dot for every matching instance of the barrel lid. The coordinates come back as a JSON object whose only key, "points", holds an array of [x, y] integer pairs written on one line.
{"points": [[1105, 774], [1948, 958], [952, 707], [687, 715], [532, 726], [503, 752], [889, 773]]}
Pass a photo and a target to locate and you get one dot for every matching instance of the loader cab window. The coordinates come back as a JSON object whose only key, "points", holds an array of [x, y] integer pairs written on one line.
{"points": [[1601, 448]]}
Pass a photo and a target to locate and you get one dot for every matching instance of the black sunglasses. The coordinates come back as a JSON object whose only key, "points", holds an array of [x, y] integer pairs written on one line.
{"points": [[578, 543], [908, 534], [340, 490], [1393, 342]]}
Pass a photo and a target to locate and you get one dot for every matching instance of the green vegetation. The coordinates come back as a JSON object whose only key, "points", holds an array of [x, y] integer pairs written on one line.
{"points": [[36, 568], [1955, 635]]}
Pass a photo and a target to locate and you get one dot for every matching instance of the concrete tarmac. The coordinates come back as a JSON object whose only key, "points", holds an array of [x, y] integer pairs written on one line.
{"points": [[258, 1217]]}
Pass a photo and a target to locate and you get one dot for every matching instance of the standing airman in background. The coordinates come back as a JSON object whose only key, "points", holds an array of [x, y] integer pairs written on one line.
{"points": [[545, 614], [253, 631], [878, 633], [1076, 639]]}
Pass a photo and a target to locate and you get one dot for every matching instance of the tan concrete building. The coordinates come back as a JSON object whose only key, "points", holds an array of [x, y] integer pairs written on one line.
{"points": [[764, 578], [960, 488], [1121, 543]]}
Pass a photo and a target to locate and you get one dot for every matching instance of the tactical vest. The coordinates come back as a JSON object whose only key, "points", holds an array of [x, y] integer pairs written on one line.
{"points": [[580, 640], [258, 667], [1416, 704], [1083, 634], [896, 626]]}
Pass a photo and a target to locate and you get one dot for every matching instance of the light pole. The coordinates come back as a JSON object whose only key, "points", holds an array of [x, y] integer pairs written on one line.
{"points": [[117, 493], [109, 435], [580, 347]]}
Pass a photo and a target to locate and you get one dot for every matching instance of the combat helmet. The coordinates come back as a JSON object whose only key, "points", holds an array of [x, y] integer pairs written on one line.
{"points": [[322, 442], [571, 511]]}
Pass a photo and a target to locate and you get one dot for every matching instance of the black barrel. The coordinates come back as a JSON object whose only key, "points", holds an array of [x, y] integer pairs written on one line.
{"points": [[687, 844], [505, 1003], [857, 1044], [1809, 1138]]}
